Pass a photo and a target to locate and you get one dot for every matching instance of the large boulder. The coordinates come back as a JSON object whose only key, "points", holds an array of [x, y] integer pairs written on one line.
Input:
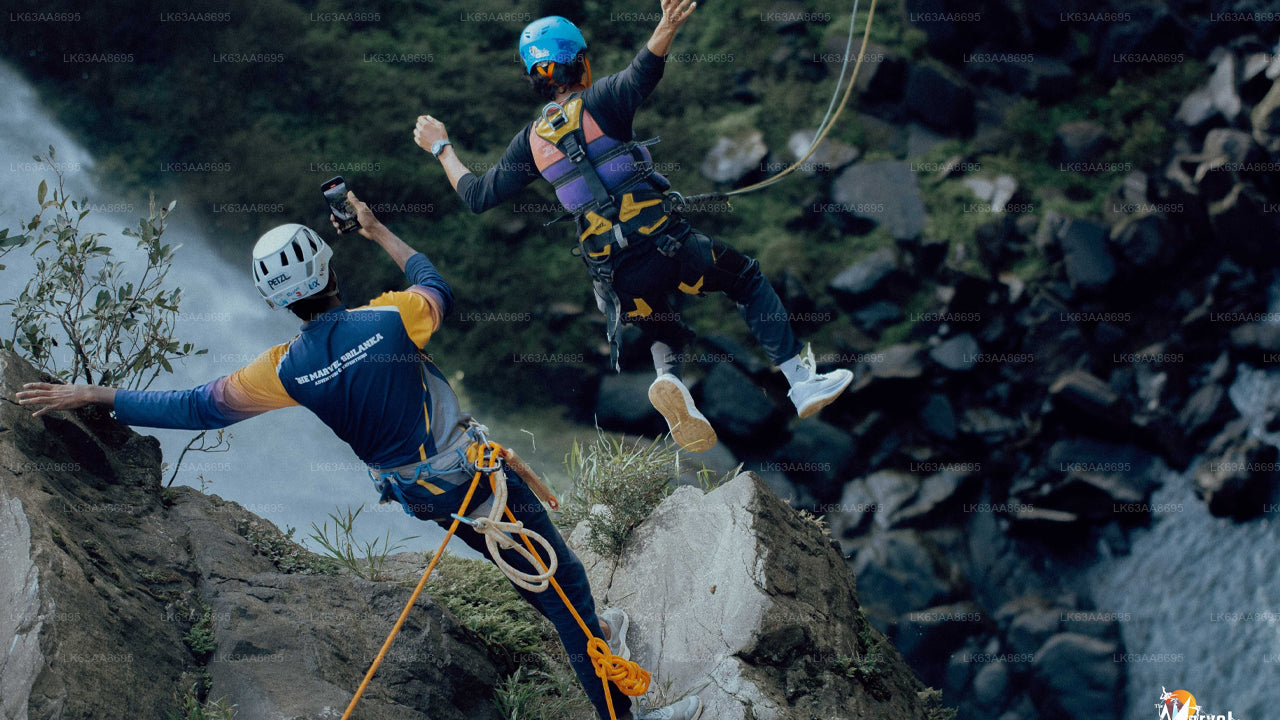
{"points": [[735, 158], [940, 99], [105, 579], [752, 609], [886, 192]]}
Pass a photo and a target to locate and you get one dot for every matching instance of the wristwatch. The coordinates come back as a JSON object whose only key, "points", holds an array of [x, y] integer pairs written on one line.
{"points": [[438, 146]]}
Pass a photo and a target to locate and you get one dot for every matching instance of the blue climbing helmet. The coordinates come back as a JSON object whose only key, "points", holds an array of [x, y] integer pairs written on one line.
{"points": [[551, 38]]}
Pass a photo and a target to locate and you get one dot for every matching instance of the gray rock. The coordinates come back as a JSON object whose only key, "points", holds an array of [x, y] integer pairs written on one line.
{"points": [[865, 279], [735, 406], [748, 596], [853, 514], [957, 353], [899, 362], [831, 155], [891, 490], [1256, 336], [1085, 392], [1081, 141], [877, 316], [1236, 476], [1144, 242], [113, 575], [733, 158], [1073, 670], [1085, 255], [940, 99], [934, 501], [991, 684], [995, 192], [1208, 408], [886, 192], [1216, 97]]}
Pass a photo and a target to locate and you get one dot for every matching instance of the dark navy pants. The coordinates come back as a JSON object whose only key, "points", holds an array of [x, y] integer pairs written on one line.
{"points": [[570, 574], [650, 286]]}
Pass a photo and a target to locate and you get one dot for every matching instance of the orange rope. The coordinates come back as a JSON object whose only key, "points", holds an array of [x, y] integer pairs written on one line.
{"points": [[630, 678], [475, 453]]}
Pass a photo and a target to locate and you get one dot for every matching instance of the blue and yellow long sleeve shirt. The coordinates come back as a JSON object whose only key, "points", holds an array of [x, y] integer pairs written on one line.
{"points": [[361, 370]]}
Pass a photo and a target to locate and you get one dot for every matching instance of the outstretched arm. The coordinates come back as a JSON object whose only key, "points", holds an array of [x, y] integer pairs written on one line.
{"points": [[674, 14], [49, 397]]}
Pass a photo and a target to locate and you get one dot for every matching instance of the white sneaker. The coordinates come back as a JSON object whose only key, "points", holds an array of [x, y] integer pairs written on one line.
{"points": [[689, 428], [687, 709], [819, 390], [618, 623]]}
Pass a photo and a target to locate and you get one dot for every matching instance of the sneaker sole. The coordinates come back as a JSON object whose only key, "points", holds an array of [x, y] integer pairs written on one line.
{"points": [[689, 428], [822, 401], [624, 652]]}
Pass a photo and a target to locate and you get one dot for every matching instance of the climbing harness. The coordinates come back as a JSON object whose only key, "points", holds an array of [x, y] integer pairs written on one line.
{"points": [[828, 121], [486, 459]]}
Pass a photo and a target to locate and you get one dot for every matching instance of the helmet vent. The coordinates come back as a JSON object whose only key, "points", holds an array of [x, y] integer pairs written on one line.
{"points": [[284, 259], [297, 250], [263, 267]]}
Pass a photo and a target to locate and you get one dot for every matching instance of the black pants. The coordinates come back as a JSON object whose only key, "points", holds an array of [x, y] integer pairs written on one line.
{"points": [[651, 286]]}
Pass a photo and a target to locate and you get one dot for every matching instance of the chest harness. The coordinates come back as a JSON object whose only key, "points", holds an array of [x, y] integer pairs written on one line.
{"points": [[619, 203]]}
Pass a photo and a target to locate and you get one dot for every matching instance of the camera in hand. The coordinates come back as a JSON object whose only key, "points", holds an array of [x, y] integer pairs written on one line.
{"points": [[335, 193]]}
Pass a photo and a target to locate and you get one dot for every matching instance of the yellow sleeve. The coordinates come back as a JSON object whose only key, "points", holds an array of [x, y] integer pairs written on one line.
{"points": [[256, 387], [419, 311]]}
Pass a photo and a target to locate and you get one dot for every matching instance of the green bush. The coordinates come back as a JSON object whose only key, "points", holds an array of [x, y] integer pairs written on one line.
{"points": [[80, 317], [365, 559], [480, 596], [616, 486]]}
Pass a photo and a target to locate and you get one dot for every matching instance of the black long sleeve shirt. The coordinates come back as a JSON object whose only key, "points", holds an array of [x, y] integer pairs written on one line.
{"points": [[612, 101]]}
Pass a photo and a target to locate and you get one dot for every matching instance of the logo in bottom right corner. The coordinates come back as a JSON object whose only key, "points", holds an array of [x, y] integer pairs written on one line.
{"points": [[1182, 705]]}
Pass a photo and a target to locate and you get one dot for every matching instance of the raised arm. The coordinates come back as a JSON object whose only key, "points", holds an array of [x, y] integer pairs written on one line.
{"points": [[674, 14], [513, 172]]}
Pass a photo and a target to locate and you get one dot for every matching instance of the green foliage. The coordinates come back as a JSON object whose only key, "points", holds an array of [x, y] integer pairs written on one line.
{"points": [[200, 638], [288, 555], [550, 694], [479, 595], [80, 318], [191, 707], [363, 559], [616, 485], [934, 709]]}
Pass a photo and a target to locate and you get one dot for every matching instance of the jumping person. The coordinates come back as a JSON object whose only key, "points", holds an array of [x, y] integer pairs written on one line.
{"points": [[638, 249], [362, 371]]}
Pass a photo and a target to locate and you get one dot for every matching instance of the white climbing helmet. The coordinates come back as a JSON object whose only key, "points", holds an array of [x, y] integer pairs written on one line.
{"points": [[290, 262]]}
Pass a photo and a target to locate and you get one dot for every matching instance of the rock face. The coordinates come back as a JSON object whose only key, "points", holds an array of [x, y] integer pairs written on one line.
{"points": [[104, 576], [886, 192], [752, 609]]}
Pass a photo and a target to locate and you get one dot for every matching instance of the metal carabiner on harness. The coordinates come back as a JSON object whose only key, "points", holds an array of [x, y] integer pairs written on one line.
{"points": [[552, 121]]}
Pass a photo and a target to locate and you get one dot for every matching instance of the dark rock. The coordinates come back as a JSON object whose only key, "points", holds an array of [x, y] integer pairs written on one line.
{"points": [[1242, 219], [927, 638], [902, 571], [1237, 476], [1265, 120], [744, 358], [1045, 78], [1028, 622], [886, 192], [861, 281], [623, 404], [1085, 392], [940, 99], [1145, 242], [1221, 162], [1149, 38], [901, 361], [957, 353], [1085, 255], [1073, 670], [989, 425], [1256, 336], [736, 407], [818, 456], [1100, 480], [935, 501], [938, 417], [1208, 408], [733, 159], [877, 316], [945, 38], [883, 72], [1079, 142]]}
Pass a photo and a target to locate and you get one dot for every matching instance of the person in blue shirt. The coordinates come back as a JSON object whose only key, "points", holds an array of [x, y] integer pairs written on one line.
{"points": [[641, 254], [364, 373]]}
